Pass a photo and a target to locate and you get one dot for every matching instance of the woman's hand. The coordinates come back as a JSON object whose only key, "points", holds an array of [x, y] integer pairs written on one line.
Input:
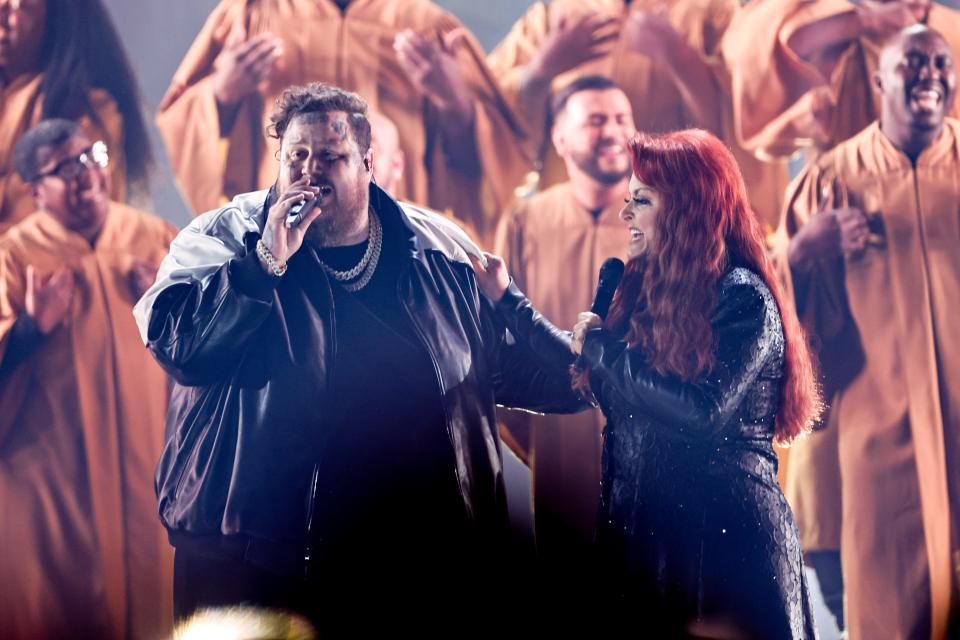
{"points": [[492, 277], [585, 322]]}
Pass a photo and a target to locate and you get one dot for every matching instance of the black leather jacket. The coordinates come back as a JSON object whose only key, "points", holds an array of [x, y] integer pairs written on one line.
{"points": [[692, 520], [252, 358]]}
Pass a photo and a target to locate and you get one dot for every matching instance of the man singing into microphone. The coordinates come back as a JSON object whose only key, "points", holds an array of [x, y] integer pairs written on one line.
{"points": [[333, 436], [553, 244]]}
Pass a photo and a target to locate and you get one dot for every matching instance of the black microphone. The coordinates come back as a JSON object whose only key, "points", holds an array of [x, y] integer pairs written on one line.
{"points": [[610, 273]]}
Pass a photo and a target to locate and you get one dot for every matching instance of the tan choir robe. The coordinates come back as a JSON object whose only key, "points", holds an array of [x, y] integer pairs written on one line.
{"points": [[81, 429], [353, 50], [21, 107], [553, 248], [657, 103], [887, 324], [783, 103]]}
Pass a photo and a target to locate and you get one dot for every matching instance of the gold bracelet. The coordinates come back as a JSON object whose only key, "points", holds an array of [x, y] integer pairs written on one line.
{"points": [[277, 268]]}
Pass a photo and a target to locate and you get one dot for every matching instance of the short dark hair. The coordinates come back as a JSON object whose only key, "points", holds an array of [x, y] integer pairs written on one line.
{"points": [[48, 134], [584, 83], [319, 97]]}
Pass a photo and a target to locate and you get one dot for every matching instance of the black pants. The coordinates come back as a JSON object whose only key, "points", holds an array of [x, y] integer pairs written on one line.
{"points": [[202, 581]]}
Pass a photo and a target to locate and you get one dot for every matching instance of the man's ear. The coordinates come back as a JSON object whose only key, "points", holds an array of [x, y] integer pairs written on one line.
{"points": [[368, 160], [877, 82], [558, 139]]}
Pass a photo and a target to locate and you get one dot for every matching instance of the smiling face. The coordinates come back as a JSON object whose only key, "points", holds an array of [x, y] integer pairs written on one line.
{"points": [[917, 81], [79, 202], [321, 146], [591, 134], [640, 216]]}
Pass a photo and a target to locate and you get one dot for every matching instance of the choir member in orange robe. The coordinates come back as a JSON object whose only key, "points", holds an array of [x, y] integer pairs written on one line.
{"points": [[554, 243], [802, 70], [81, 73], [82, 406], [409, 59], [664, 55], [802, 76], [868, 247]]}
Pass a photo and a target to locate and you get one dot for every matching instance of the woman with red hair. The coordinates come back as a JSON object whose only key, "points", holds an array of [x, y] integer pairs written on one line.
{"points": [[699, 367]]}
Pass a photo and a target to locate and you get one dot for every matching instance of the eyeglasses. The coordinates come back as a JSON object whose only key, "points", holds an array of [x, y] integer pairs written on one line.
{"points": [[70, 168]]}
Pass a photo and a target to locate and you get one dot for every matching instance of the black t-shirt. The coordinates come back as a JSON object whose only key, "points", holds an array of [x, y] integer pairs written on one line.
{"points": [[388, 474]]}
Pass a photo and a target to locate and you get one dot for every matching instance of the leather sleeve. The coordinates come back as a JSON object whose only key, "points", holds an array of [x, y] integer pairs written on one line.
{"points": [[534, 370], [695, 409], [199, 329]]}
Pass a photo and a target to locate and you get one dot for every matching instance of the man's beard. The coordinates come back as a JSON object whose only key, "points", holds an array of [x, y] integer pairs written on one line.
{"points": [[335, 222], [588, 163]]}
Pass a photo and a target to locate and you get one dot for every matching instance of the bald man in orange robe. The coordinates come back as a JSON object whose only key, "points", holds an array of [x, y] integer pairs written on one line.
{"points": [[802, 70], [868, 246]]}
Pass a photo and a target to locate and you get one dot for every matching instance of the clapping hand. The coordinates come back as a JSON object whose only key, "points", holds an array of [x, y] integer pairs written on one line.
{"points": [[651, 34], [573, 41], [434, 70], [244, 64], [48, 300], [835, 230]]}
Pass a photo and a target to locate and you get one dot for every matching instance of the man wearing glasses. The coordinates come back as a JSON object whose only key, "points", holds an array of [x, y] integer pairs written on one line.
{"points": [[82, 404]]}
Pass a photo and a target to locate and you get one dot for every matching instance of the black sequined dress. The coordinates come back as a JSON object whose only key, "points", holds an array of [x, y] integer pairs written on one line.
{"points": [[694, 534]]}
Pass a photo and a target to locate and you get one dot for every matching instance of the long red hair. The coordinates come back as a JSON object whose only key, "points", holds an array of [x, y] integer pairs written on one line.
{"points": [[705, 225]]}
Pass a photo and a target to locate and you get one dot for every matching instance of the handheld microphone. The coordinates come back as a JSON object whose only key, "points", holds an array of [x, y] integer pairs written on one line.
{"points": [[610, 274]]}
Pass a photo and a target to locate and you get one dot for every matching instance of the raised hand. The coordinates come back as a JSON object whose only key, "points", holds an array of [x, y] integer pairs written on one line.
{"points": [[283, 241], [651, 34], [434, 70], [243, 65], [48, 299], [573, 41]]}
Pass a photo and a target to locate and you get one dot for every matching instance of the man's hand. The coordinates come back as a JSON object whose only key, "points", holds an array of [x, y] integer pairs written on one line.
{"points": [[434, 70], [585, 322], [651, 34], [48, 300], [283, 241], [141, 277], [492, 277], [571, 42], [833, 232], [883, 19], [243, 65]]}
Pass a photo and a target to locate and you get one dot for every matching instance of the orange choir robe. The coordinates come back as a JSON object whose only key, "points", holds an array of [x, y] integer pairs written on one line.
{"points": [[887, 324], [657, 103], [353, 50], [783, 103], [81, 429], [21, 107], [553, 248]]}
